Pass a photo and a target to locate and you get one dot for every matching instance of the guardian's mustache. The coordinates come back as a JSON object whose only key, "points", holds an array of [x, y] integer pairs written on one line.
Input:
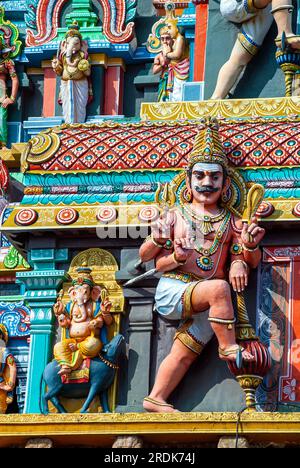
{"points": [[205, 189]]}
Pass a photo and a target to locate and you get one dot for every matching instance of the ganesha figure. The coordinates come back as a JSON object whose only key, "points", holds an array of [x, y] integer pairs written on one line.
{"points": [[193, 244], [72, 64], [172, 63], [8, 372], [256, 17], [83, 319]]}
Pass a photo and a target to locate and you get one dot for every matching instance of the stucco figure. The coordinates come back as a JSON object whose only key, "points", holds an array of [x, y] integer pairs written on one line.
{"points": [[82, 319], [193, 245], [8, 372], [172, 62], [256, 17], [72, 64]]}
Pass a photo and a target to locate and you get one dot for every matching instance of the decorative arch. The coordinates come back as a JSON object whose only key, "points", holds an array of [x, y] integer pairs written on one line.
{"points": [[43, 17]]}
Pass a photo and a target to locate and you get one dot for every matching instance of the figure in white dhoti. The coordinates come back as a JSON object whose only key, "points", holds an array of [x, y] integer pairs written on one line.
{"points": [[256, 17], [73, 65]]}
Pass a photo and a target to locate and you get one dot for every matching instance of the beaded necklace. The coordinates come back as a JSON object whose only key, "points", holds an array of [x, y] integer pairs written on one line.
{"points": [[205, 262], [205, 223]]}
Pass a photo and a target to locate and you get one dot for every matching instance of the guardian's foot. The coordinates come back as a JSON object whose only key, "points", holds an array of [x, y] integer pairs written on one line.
{"points": [[65, 370], [236, 354], [155, 406]]}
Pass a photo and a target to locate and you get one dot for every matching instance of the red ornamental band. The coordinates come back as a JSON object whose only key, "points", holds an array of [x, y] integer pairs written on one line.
{"points": [[67, 216], [296, 210], [106, 215], [26, 217], [265, 210], [149, 214]]}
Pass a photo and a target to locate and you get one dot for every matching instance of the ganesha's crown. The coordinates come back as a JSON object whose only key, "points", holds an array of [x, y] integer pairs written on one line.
{"points": [[208, 147], [84, 277], [73, 30]]}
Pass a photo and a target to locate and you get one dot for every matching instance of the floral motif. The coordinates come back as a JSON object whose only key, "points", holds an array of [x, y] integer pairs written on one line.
{"points": [[107, 214], [26, 217], [67, 216], [148, 214]]}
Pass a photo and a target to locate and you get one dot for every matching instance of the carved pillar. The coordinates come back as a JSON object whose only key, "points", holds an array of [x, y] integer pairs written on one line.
{"points": [[42, 285], [114, 87], [139, 357], [49, 97], [200, 39]]}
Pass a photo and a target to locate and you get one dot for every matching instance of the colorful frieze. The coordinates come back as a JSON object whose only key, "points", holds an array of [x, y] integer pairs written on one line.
{"points": [[16, 318], [160, 145], [44, 16]]}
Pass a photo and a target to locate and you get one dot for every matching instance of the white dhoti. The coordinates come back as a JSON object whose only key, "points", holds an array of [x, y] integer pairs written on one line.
{"points": [[255, 23], [177, 94], [74, 97]]}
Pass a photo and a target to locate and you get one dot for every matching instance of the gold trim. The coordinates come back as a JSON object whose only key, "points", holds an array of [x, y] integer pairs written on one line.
{"points": [[250, 48], [187, 340], [102, 429], [228, 108], [283, 211]]}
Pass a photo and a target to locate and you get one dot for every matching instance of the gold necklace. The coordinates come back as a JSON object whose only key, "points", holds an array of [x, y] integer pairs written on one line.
{"points": [[205, 223]]}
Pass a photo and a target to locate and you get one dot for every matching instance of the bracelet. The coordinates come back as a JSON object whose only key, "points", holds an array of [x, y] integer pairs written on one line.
{"points": [[250, 250], [157, 244], [241, 261], [178, 261], [12, 99]]}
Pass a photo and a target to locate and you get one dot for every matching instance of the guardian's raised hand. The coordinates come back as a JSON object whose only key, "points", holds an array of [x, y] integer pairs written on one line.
{"points": [[252, 234], [162, 228]]}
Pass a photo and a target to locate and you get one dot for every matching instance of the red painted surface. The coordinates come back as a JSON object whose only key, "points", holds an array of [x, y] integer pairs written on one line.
{"points": [[289, 388], [49, 93], [200, 41], [164, 145], [4, 176], [114, 91]]}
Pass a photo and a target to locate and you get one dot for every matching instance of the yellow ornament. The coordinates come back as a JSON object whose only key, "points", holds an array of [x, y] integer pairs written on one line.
{"points": [[83, 65]]}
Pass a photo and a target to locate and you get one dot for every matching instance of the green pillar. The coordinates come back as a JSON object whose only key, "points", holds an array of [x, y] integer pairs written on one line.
{"points": [[42, 285], [82, 12]]}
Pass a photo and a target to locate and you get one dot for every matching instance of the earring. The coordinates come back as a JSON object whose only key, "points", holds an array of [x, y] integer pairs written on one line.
{"points": [[225, 197], [188, 196]]}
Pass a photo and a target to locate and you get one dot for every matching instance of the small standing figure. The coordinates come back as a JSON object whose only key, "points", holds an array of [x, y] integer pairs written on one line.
{"points": [[172, 63], [9, 49], [256, 17], [83, 319], [72, 64], [8, 372]]}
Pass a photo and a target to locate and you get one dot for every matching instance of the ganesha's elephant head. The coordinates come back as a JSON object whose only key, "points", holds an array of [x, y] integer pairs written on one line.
{"points": [[72, 45], [81, 295]]}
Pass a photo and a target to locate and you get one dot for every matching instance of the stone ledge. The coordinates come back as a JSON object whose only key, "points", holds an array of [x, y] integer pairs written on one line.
{"points": [[102, 429]]}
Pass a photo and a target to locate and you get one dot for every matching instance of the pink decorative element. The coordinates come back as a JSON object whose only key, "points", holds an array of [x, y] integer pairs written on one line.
{"points": [[289, 388], [45, 33], [114, 23], [265, 210], [149, 214], [4, 176], [26, 217], [107, 214], [67, 216], [296, 210]]}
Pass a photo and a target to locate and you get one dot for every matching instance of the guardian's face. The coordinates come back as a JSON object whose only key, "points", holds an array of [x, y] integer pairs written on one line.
{"points": [[207, 183]]}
